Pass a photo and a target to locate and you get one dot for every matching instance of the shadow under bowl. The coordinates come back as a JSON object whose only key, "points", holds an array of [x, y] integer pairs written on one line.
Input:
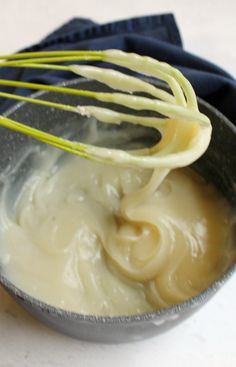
{"points": [[217, 165]]}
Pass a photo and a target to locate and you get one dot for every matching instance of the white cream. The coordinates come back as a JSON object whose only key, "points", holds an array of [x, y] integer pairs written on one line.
{"points": [[69, 246]]}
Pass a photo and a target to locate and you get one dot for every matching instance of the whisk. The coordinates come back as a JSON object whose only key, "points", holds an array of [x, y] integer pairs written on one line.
{"points": [[185, 132]]}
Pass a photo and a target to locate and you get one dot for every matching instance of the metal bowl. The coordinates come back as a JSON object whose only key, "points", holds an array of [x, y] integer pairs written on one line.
{"points": [[217, 166]]}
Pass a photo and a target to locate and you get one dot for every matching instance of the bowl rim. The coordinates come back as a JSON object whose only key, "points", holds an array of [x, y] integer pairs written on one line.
{"points": [[166, 313]]}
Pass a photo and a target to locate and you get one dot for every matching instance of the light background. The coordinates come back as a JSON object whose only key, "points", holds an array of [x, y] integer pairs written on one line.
{"points": [[208, 29]]}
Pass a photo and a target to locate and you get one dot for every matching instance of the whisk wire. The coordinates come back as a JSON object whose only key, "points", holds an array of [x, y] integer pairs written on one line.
{"points": [[179, 110]]}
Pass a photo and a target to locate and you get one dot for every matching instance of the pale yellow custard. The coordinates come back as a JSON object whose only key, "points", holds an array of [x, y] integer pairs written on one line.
{"points": [[69, 246]]}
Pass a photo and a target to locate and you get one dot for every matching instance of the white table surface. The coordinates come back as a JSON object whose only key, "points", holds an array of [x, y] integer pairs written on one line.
{"points": [[209, 337]]}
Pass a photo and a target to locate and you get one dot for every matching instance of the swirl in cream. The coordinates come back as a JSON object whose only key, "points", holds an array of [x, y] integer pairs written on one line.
{"points": [[94, 239]]}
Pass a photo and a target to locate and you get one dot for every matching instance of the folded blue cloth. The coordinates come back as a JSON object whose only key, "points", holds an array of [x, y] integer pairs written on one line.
{"points": [[157, 36]]}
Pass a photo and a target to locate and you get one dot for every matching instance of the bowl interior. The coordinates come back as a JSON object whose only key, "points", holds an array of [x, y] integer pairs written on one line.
{"points": [[217, 165]]}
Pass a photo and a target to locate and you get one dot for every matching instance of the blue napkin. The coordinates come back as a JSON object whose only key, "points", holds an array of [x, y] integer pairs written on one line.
{"points": [[157, 36]]}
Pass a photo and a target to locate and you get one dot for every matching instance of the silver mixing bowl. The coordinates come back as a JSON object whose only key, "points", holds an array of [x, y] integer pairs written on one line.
{"points": [[217, 165]]}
